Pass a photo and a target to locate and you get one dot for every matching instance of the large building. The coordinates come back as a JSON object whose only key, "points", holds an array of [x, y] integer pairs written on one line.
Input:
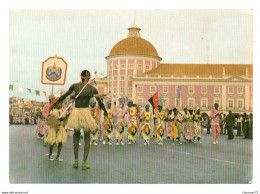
{"points": [[134, 69]]}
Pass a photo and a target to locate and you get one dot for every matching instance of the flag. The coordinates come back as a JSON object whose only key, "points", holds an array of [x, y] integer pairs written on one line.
{"points": [[37, 92], [154, 100], [178, 92], [44, 92], [29, 90], [11, 87], [20, 89]]}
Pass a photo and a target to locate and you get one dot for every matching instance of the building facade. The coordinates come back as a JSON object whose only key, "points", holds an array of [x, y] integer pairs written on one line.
{"points": [[134, 69]]}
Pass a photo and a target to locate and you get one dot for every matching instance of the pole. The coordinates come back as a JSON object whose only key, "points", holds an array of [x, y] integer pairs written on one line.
{"points": [[52, 89]]}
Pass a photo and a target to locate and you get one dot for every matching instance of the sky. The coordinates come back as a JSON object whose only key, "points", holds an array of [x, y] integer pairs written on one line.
{"points": [[84, 37]]}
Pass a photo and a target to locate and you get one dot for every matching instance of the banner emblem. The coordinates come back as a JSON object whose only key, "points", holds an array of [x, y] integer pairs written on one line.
{"points": [[53, 73]]}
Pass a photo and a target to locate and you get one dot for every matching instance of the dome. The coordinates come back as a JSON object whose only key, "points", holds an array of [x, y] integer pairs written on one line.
{"points": [[133, 44]]}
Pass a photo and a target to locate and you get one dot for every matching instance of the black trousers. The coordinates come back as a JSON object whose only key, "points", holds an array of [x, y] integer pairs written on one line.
{"points": [[208, 129], [246, 129], [239, 125], [230, 131], [250, 131]]}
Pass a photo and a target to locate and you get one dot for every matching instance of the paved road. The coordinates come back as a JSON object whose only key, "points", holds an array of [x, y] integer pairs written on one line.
{"points": [[227, 162]]}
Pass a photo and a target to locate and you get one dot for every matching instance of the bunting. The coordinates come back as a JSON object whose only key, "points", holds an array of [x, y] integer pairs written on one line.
{"points": [[37, 92], [11, 87], [29, 90], [20, 89]]}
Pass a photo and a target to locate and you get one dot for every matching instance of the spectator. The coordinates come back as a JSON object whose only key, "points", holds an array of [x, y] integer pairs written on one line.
{"points": [[245, 125], [230, 119], [250, 134], [239, 125]]}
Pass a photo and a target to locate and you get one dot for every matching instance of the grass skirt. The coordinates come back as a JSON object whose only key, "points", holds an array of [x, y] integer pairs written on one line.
{"points": [[56, 135], [81, 118]]}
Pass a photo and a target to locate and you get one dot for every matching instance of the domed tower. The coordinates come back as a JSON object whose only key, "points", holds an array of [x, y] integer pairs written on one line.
{"points": [[130, 56]]}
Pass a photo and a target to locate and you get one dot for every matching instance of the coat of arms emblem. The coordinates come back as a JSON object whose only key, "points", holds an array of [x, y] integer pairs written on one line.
{"points": [[53, 73]]}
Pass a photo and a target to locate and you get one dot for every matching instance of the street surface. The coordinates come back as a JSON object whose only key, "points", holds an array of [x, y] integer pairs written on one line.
{"points": [[228, 162]]}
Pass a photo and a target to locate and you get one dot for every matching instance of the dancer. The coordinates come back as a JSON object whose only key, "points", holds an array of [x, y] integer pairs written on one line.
{"points": [[57, 134], [159, 124], [132, 126], [80, 116], [168, 124], [119, 114], [187, 125], [197, 125], [175, 130], [108, 125], [147, 118], [215, 124], [94, 114]]}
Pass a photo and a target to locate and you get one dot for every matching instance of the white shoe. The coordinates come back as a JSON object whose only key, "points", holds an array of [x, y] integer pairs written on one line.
{"points": [[145, 143], [59, 159], [109, 143], [117, 143], [122, 143], [214, 143], [199, 141], [50, 158], [129, 143], [148, 142], [173, 143], [179, 143], [104, 142], [95, 143], [79, 144]]}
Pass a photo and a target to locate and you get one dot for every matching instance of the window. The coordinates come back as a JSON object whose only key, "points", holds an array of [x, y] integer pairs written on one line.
{"points": [[122, 66], [130, 90], [130, 77], [204, 89], [131, 66], [230, 103], [204, 103], [191, 89], [152, 89], [140, 89], [122, 90], [122, 78], [115, 78], [140, 67], [178, 102], [217, 90], [230, 90], [166, 102], [115, 90], [240, 90], [147, 67], [190, 103], [240, 103], [165, 89], [140, 101]]}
